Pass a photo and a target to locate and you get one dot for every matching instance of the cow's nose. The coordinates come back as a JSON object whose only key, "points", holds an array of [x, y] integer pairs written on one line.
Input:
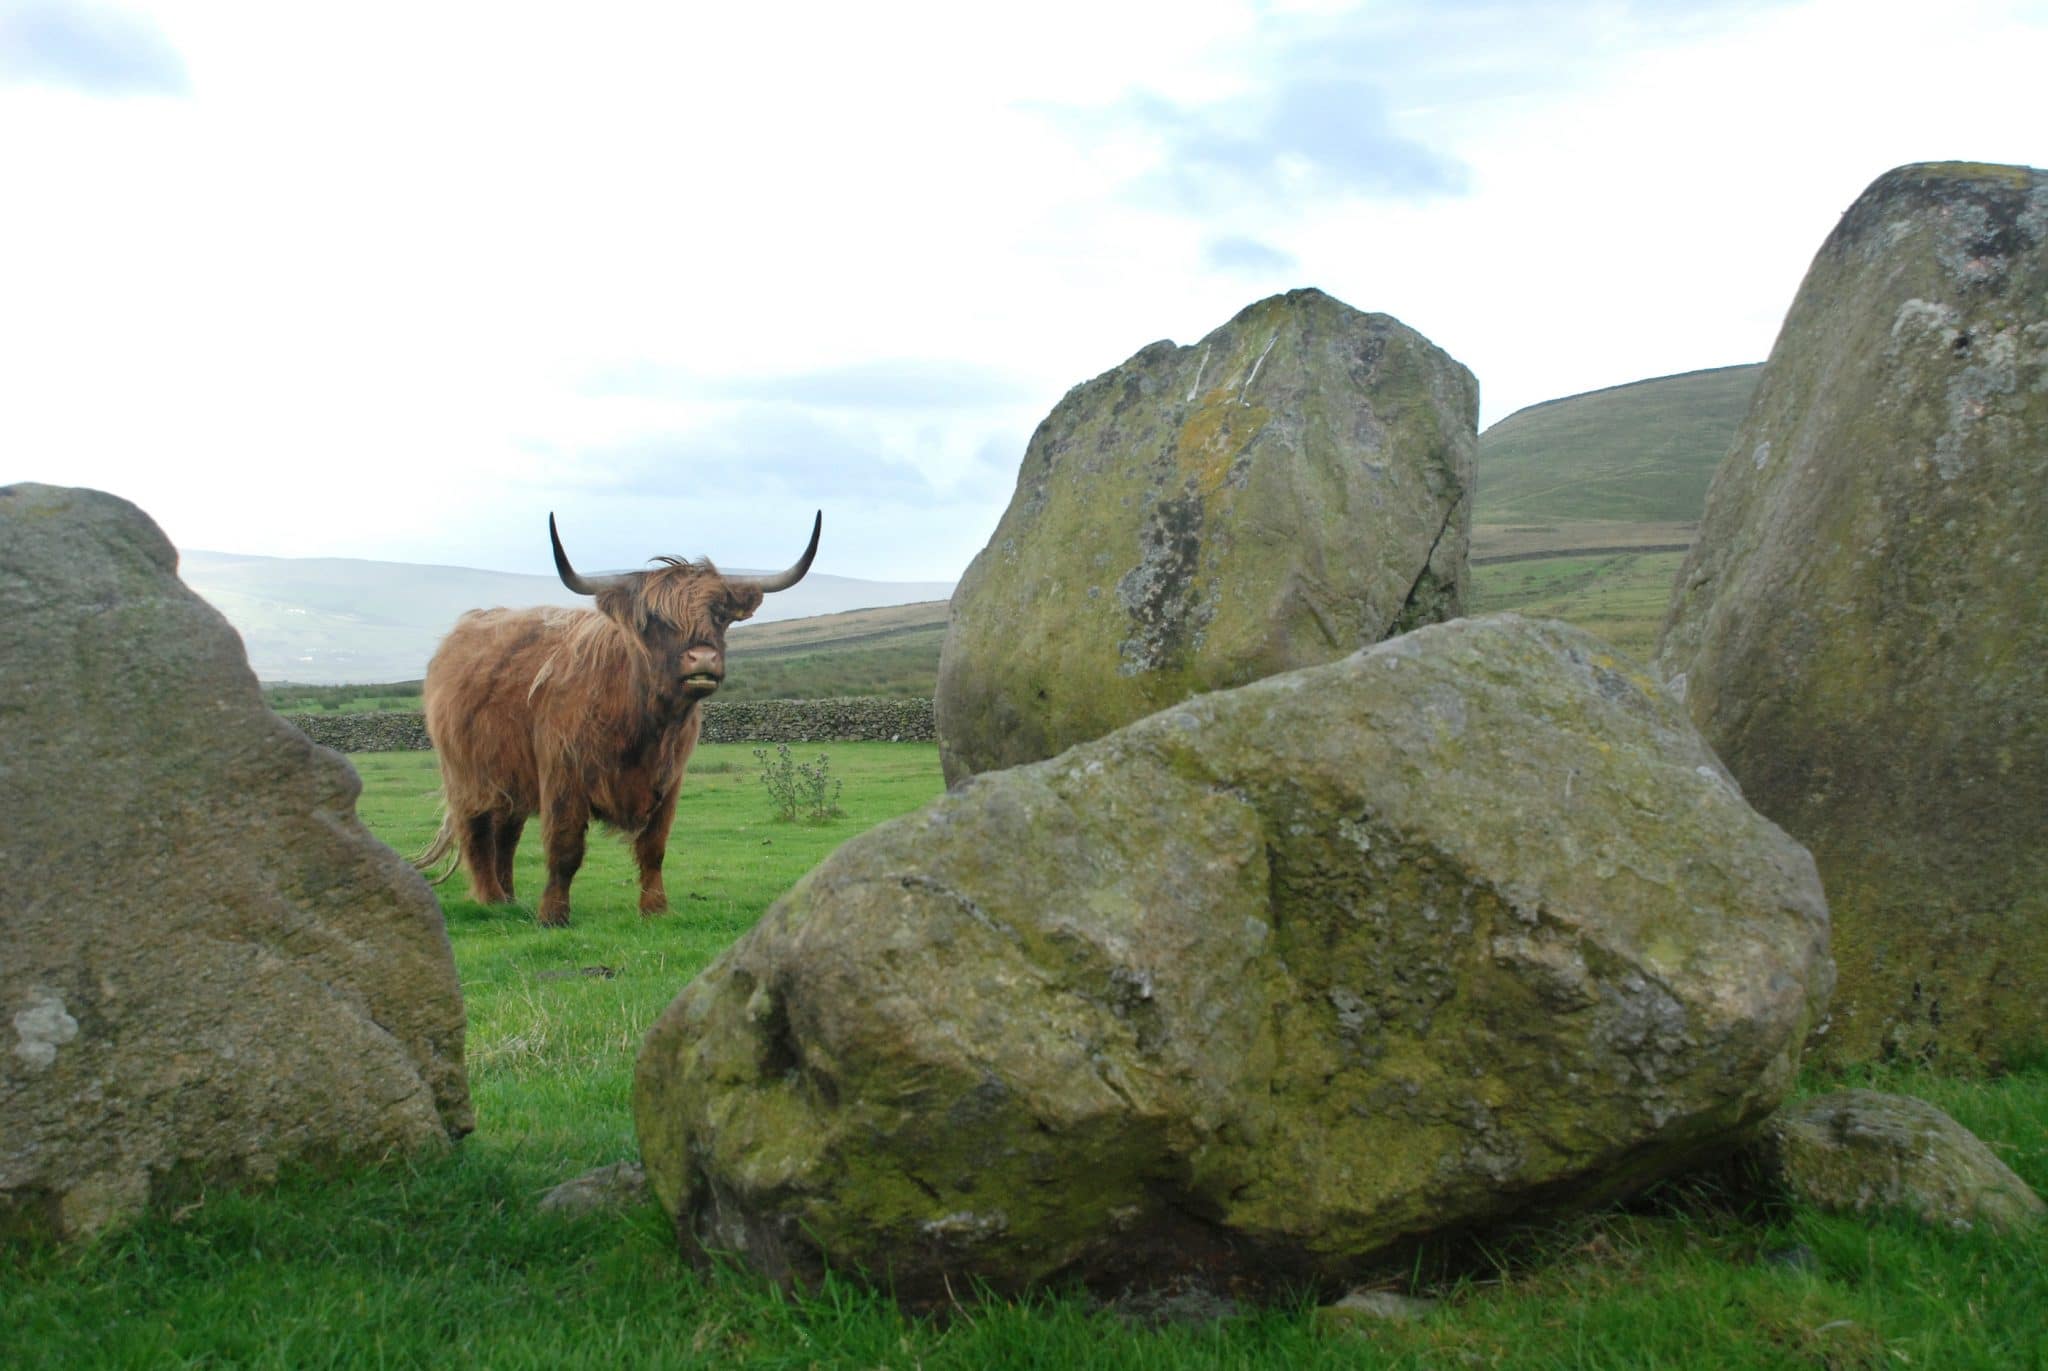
{"points": [[704, 661]]}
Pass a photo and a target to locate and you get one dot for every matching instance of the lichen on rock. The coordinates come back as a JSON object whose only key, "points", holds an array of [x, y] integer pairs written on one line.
{"points": [[1463, 927], [1861, 628], [1293, 487], [1865, 1152], [209, 969]]}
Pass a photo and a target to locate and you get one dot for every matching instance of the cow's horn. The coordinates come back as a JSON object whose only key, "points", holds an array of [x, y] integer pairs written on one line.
{"points": [[771, 584], [582, 585]]}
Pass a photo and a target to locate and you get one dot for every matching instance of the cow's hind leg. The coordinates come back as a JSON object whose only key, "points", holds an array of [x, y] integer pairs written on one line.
{"points": [[480, 860], [505, 842], [562, 834], [649, 849]]}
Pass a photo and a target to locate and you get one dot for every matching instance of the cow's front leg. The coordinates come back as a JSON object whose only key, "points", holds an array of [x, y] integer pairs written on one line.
{"points": [[649, 849], [562, 824]]}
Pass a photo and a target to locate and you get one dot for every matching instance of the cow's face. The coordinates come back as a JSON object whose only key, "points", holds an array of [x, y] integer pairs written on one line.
{"points": [[680, 611], [684, 613]]}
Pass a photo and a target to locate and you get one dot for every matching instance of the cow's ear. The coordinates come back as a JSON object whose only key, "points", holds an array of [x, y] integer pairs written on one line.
{"points": [[623, 604]]}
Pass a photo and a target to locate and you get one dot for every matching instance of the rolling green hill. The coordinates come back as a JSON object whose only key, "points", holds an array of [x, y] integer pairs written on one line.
{"points": [[1635, 453], [1585, 506], [892, 651]]}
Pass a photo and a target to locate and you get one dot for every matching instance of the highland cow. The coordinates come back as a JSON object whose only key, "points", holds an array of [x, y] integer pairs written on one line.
{"points": [[580, 714]]}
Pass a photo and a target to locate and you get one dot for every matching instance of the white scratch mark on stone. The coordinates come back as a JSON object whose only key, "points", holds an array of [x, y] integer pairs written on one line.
{"points": [[43, 1027], [1762, 454], [1245, 389], [1199, 369]]}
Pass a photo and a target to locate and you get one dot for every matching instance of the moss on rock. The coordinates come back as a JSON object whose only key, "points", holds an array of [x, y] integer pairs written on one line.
{"points": [[1293, 487], [1861, 1151], [1861, 629], [210, 971], [1462, 927]]}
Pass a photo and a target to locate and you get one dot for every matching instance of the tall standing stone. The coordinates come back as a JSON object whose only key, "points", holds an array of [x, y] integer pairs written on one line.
{"points": [[208, 967], [1862, 628], [1295, 486]]}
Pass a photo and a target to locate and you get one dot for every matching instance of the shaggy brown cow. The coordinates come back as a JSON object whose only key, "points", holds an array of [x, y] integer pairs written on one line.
{"points": [[579, 714]]}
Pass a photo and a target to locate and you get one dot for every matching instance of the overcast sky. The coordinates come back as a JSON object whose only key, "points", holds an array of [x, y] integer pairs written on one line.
{"points": [[396, 280]]}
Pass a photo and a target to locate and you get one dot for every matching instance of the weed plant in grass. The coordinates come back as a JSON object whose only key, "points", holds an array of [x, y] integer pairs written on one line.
{"points": [[801, 792], [446, 1262]]}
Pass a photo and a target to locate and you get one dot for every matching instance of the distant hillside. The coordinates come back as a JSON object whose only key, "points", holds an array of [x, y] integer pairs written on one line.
{"points": [[1613, 480], [1642, 452], [891, 651], [321, 620]]}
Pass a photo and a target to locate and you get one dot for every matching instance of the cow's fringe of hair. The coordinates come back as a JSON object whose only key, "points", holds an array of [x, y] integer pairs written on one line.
{"points": [[445, 846], [592, 644]]}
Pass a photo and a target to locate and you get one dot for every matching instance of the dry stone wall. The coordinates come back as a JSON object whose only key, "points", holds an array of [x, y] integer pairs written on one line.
{"points": [[398, 730], [853, 720]]}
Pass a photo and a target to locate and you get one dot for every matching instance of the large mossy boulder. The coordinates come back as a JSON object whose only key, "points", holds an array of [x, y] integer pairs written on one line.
{"points": [[1861, 630], [1465, 926], [1293, 487], [209, 969]]}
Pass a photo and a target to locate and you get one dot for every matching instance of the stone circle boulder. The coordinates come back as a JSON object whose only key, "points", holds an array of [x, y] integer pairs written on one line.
{"points": [[1293, 487], [209, 969], [1862, 1151], [1861, 629], [1465, 926]]}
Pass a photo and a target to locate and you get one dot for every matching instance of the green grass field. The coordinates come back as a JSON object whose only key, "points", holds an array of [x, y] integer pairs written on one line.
{"points": [[444, 1261], [1619, 596], [287, 698], [902, 666]]}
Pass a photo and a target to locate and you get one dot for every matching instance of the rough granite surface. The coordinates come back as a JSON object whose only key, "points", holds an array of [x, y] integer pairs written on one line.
{"points": [[1861, 629], [1465, 926], [1291, 488], [209, 969], [1861, 1151]]}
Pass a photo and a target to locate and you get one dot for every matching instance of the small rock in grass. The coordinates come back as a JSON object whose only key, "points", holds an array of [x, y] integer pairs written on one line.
{"points": [[622, 1185], [1798, 1257], [1362, 1307], [1853, 1151]]}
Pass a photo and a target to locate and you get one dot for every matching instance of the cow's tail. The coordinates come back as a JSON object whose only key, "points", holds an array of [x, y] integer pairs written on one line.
{"points": [[445, 847]]}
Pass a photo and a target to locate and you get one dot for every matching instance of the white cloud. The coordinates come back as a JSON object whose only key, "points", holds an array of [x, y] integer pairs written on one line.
{"points": [[93, 48], [1248, 257], [395, 280]]}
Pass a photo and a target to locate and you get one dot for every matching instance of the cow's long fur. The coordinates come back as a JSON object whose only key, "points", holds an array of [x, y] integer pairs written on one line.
{"points": [[575, 714]]}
